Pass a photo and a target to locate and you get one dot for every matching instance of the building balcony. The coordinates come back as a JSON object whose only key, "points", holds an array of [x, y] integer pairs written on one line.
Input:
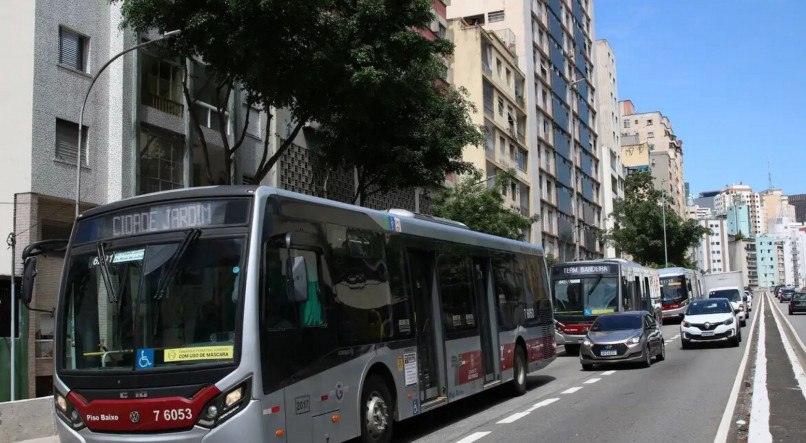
{"points": [[508, 38], [44, 349], [163, 104]]}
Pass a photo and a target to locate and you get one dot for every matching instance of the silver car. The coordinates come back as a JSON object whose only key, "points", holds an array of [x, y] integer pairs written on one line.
{"points": [[632, 336]]}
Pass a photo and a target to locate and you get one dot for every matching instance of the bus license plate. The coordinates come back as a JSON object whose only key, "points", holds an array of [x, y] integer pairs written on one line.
{"points": [[707, 333], [608, 352]]}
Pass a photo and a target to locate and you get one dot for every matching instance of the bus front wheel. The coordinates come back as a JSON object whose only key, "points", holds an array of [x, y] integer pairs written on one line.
{"points": [[377, 411]]}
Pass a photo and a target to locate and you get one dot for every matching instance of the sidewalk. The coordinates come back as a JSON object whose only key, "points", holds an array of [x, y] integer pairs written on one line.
{"points": [[51, 439]]}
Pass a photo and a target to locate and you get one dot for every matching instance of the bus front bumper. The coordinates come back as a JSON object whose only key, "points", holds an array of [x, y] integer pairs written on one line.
{"points": [[244, 426], [674, 313]]}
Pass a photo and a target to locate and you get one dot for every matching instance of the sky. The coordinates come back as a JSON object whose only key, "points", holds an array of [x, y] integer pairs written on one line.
{"points": [[729, 74]]}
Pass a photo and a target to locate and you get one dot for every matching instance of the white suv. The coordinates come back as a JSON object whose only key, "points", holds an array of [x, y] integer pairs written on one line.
{"points": [[712, 319], [734, 296]]}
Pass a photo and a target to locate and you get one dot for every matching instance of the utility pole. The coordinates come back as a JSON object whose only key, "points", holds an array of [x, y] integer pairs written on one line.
{"points": [[11, 241]]}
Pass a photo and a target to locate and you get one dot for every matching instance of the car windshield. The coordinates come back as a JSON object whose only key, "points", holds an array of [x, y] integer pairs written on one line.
{"points": [[730, 294], [673, 289], [709, 307], [151, 305], [616, 323], [799, 296], [592, 295]]}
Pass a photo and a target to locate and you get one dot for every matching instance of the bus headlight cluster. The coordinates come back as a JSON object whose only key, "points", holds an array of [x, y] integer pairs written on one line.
{"points": [[226, 404], [67, 412]]}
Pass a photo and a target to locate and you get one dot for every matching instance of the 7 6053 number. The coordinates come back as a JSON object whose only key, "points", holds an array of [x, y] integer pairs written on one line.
{"points": [[173, 414]]}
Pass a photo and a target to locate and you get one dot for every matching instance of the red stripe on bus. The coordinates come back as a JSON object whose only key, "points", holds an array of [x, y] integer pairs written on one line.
{"points": [[507, 356], [470, 367], [143, 415]]}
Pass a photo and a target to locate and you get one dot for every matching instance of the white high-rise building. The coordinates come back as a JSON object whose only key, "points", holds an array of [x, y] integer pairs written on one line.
{"points": [[713, 252], [608, 124], [743, 194]]}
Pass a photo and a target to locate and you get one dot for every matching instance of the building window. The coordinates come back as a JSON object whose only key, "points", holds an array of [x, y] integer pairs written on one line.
{"points": [[73, 49], [650, 134], [67, 140], [255, 127], [162, 85], [500, 106], [626, 123], [495, 16], [161, 161], [649, 122]]}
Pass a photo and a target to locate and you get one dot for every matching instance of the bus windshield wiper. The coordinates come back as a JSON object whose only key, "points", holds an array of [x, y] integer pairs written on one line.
{"points": [[172, 266], [104, 268]]}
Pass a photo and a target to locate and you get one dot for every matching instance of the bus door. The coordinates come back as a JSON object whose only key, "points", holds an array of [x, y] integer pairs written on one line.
{"points": [[429, 337], [484, 307]]}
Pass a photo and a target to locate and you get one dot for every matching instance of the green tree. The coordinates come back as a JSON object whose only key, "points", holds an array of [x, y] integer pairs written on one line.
{"points": [[357, 68], [638, 225], [481, 207]]}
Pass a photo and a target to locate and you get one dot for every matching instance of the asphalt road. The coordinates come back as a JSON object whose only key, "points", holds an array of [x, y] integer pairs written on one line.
{"points": [[680, 399]]}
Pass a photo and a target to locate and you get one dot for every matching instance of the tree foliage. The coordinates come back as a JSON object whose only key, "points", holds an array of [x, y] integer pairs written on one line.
{"points": [[481, 207], [638, 227], [358, 68]]}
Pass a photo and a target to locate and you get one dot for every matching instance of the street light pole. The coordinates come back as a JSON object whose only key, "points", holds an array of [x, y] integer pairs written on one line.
{"points": [[84, 104], [663, 211]]}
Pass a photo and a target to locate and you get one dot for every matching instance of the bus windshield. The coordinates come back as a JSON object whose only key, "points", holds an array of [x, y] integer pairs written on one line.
{"points": [[152, 305], [673, 289], [590, 295]]}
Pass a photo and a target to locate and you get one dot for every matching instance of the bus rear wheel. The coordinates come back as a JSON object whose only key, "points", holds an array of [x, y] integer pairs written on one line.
{"points": [[376, 411], [519, 372]]}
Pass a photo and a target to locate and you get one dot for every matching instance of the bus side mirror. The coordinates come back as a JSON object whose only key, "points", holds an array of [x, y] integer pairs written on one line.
{"points": [[682, 315], [28, 276], [297, 279]]}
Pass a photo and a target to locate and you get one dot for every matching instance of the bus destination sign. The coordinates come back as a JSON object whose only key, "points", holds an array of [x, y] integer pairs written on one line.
{"points": [[164, 217], [585, 269]]}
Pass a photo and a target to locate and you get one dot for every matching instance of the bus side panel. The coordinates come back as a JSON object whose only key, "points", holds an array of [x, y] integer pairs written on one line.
{"points": [[540, 350], [507, 341], [465, 367], [402, 365]]}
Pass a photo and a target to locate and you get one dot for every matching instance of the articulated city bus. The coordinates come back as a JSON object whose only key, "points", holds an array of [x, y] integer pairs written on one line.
{"points": [[679, 287], [583, 290], [255, 314]]}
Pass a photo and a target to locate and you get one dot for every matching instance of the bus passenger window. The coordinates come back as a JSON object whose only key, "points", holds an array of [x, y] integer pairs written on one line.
{"points": [[458, 301]]}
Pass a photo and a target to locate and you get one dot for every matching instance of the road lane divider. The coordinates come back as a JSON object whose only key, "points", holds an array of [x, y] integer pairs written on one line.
{"points": [[797, 368], [591, 381], [726, 422], [545, 402], [514, 417], [474, 436], [759, 428], [791, 328], [571, 390]]}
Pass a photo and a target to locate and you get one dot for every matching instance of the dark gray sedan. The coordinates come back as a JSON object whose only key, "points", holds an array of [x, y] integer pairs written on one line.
{"points": [[632, 336]]}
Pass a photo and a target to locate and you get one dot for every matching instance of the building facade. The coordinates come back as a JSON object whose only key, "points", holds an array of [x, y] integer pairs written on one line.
{"points": [[484, 64], [611, 169], [743, 194], [666, 150], [743, 258], [554, 49], [706, 199], [776, 206], [738, 217], [767, 258], [799, 202], [713, 252]]}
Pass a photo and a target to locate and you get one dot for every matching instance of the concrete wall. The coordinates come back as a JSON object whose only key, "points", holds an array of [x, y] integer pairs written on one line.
{"points": [[27, 419]]}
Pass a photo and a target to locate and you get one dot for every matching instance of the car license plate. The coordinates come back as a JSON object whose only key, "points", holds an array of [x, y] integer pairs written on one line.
{"points": [[707, 333], [608, 352]]}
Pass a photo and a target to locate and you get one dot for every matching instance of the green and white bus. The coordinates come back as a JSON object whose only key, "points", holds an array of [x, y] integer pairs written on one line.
{"points": [[255, 314]]}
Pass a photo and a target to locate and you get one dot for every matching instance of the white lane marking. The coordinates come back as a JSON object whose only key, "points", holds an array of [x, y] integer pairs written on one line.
{"points": [[727, 416], [572, 390], [676, 336], [473, 437], [593, 380], [800, 375], [791, 328], [610, 372], [513, 417], [668, 341], [545, 402], [759, 430]]}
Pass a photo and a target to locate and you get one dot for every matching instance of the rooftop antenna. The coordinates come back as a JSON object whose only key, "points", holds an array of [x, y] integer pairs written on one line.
{"points": [[769, 176]]}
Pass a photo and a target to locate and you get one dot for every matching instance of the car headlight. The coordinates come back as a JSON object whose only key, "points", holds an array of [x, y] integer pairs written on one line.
{"points": [[728, 321], [685, 324], [586, 342], [634, 340]]}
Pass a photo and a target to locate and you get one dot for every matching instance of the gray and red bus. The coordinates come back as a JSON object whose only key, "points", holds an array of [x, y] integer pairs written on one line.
{"points": [[255, 314]]}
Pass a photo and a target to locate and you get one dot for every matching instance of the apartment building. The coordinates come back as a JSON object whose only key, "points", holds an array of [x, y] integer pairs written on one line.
{"points": [[484, 64], [696, 212], [554, 50], [666, 150], [713, 252], [776, 207], [742, 194], [743, 258], [738, 217], [611, 169], [767, 256], [706, 199], [799, 202]]}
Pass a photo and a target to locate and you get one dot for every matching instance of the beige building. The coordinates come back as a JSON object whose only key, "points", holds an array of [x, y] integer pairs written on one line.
{"points": [[741, 193], [485, 65], [776, 207], [666, 158], [611, 169]]}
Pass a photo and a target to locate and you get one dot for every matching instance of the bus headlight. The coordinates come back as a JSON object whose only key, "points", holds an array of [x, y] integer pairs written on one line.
{"points": [[66, 411], [226, 404]]}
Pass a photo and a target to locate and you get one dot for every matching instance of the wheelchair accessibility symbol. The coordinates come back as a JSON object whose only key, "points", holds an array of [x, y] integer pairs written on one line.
{"points": [[145, 358]]}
